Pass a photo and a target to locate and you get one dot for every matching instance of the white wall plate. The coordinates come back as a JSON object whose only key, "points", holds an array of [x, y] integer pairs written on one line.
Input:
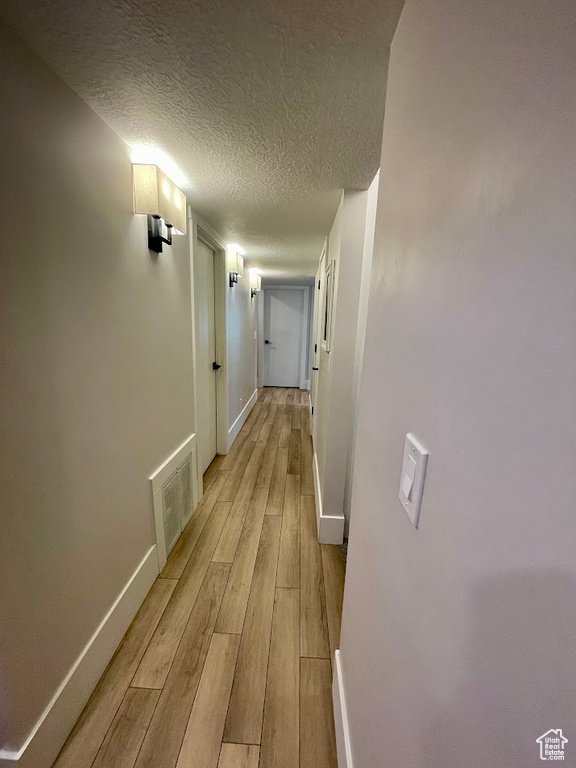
{"points": [[412, 477]]}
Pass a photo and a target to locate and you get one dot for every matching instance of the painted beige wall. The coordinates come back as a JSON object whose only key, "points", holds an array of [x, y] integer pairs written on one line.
{"points": [[334, 413], [95, 383], [324, 377], [361, 320], [458, 637], [241, 350]]}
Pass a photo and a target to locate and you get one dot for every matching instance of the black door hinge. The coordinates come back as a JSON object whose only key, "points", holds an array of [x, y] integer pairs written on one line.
{"points": [[315, 347], [312, 410], [318, 284]]}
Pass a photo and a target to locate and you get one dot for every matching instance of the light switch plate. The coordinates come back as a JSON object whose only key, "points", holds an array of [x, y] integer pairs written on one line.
{"points": [[412, 477]]}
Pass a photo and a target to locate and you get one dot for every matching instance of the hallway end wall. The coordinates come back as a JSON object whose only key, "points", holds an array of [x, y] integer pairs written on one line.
{"points": [[457, 643]]}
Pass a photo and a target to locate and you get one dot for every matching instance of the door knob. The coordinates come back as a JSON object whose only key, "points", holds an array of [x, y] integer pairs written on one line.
{"points": [[267, 341], [215, 366]]}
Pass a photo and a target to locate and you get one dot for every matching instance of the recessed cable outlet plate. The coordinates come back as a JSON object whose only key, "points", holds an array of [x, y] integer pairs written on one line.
{"points": [[412, 477]]}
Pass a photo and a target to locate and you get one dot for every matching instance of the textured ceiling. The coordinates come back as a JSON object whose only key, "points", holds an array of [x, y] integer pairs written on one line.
{"points": [[268, 107]]}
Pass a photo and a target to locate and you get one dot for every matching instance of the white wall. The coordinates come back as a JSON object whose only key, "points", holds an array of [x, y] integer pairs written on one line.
{"points": [[95, 384], [323, 397], [458, 638], [241, 327], [336, 402], [362, 319]]}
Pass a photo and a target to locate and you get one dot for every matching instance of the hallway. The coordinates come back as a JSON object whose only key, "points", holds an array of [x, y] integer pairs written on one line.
{"points": [[231, 649]]}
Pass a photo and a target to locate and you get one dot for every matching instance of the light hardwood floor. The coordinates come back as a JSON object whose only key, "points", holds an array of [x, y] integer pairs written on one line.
{"points": [[228, 662]]}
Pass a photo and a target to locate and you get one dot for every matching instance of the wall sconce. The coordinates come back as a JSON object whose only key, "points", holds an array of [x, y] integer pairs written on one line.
{"points": [[234, 264], [160, 199], [255, 282]]}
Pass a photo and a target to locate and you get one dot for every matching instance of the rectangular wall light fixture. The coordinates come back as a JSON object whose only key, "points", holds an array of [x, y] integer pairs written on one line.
{"points": [[234, 265], [160, 199], [255, 282]]}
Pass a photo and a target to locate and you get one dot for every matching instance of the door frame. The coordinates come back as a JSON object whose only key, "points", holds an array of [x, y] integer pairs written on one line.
{"points": [[304, 341], [319, 288], [202, 231]]}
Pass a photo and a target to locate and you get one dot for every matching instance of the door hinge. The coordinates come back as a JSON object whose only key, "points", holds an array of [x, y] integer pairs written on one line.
{"points": [[312, 410], [318, 284], [315, 347]]}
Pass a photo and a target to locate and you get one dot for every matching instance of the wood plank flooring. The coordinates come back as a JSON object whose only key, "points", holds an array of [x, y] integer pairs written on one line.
{"points": [[228, 662]]}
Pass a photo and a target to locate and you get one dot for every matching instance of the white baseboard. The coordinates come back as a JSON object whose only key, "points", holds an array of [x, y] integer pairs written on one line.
{"points": [[53, 727], [340, 716], [317, 489], [330, 527], [239, 423]]}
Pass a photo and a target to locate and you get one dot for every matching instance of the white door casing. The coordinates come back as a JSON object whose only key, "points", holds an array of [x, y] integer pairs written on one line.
{"points": [[205, 353], [319, 287]]}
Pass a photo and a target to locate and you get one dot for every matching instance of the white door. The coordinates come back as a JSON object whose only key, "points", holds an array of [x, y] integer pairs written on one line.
{"points": [[205, 353], [283, 333]]}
